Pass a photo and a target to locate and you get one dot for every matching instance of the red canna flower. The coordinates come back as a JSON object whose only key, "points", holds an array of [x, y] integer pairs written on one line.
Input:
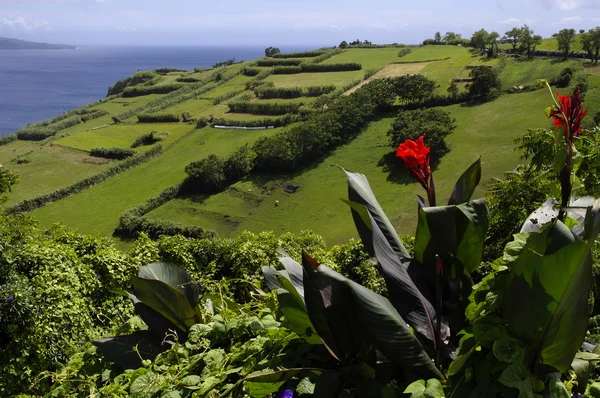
{"points": [[570, 114], [415, 156]]}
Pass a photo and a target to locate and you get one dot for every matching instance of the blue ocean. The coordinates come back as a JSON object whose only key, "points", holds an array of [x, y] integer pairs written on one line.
{"points": [[38, 84]]}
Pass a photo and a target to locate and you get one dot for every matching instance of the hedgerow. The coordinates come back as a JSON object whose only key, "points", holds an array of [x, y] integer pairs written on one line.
{"points": [[268, 121], [314, 67], [112, 153], [158, 118], [266, 108], [37, 133], [39, 201], [141, 77], [93, 115], [7, 139], [278, 92], [224, 97], [259, 79], [137, 91], [287, 70], [146, 139], [278, 62], [247, 71], [301, 54]]}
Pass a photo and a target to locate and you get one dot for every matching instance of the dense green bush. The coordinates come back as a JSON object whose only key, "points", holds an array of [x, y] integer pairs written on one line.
{"points": [[259, 79], [301, 54], [146, 139], [564, 78], [278, 92], [39, 201], [239, 164], [224, 97], [404, 51], [206, 175], [268, 121], [164, 71], [188, 79], [37, 133], [158, 118], [112, 153], [485, 83], [317, 91], [314, 67], [7, 139], [247, 71], [278, 62], [137, 91], [434, 123], [141, 77], [131, 225], [264, 108], [287, 70]]}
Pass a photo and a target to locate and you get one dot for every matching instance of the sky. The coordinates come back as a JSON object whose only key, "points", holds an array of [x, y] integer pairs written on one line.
{"points": [[280, 22]]}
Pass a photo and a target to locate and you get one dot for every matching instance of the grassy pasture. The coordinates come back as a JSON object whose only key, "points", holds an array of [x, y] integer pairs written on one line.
{"points": [[194, 106], [527, 71], [486, 130], [552, 44], [391, 70], [97, 210], [236, 83], [122, 135], [369, 58], [339, 79], [442, 72], [431, 53], [50, 167]]}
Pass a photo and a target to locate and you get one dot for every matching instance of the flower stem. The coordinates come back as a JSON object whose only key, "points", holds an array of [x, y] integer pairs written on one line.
{"points": [[565, 180]]}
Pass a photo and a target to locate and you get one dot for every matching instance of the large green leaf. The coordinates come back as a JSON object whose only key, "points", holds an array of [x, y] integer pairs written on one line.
{"points": [[159, 325], [332, 312], [545, 304], [466, 184], [359, 192], [166, 300], [407, 298], [128, 351], [173, 276], [296, 315]]}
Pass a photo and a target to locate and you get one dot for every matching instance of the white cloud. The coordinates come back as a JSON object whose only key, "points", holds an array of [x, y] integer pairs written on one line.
{"points": [[510, 21], [569, 20], [19, 23]]}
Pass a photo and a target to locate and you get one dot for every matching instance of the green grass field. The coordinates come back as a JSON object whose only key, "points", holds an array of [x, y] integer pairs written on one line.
{"points": [[487, 130], [552, 44], [49, 168], [443, 71], [518, 72], [97, 210], [369, 58], [339, 79], [237, 83], [123, 135], [429, 53]]}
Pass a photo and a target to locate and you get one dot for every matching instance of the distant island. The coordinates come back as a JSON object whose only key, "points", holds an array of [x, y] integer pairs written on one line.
{"points": [[7, 43]]}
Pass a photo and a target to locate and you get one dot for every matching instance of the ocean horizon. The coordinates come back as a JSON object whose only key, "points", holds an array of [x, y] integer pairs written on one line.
{"points": [[39, 84]]}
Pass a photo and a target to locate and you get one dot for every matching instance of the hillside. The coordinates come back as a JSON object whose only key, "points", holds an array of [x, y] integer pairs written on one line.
{"points": [[65, 183], [7, 43]]}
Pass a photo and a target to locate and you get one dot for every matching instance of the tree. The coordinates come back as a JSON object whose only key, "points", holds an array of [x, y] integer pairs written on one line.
{"points": [[528, 41], [270, 51], [206, 175], [565, 38], [512, 37], [492, 40], [480, 39], [437, 37], [343, 44], [485, 83], [590, 41]]}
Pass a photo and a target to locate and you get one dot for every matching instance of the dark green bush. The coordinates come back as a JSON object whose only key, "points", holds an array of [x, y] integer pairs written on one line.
{"points": [[434, 123], [301, 54], [206, 175], [278, 62], [7, 139], [188, 79], [404, 51], [278, 92], [259, 79], [164, 71], [564, 78], [38, 133], [264, 108], [158, 118], [317, 91], [313, 67], [269, 121], [287, 70], [112, 153], [224, 97], [146, 139], [247, 71], [239, 164], [137, 91], [141, 77]]}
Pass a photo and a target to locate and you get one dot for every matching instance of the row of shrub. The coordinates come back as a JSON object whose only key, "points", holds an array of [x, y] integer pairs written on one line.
{"points": [[552, 53], [137, 91], [278, 62], [268, 91], [259, 79], [314, 67], [97, 113], [247, 71], [37, 202], [188, 91], [404, 51], [300, 54], [35, 133], [112, 153], [164, 71], [268, 121], [224, 97], [264, 108], [325, 55], [148, 77], [146, 139], [188, 79], [158, 118], [7, 139]]}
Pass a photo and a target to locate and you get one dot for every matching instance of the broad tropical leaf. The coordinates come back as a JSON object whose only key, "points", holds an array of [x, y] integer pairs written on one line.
{"points": [[173, 276], [333, 314], [466, 184], [158, 325], [165, 300], [407, 298], [545, 304], [359, 192], [120, 349]]}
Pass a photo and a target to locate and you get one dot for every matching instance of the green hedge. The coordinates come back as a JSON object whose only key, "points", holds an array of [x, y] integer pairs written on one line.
{"points": [[37, 202], [158, 118], [278, 62], [146, 139], [148, 77], [326, 55], [317, 91], [137, 91], [112, 153], [164, 71], [35, 133], [278, 92], [287, 70], [188, 79], [7, 139], [259, 79], [268, 121], [224, 97], [94, 115], [301, 54], [266, 108], [331, 67]]}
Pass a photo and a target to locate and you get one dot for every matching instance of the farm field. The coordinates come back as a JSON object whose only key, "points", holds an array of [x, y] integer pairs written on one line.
{"points": [[483, 130], [97, 210], [518, 72]]}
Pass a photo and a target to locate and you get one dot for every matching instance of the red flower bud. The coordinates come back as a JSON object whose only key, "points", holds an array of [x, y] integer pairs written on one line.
{"points": [[416, 156], [570, 114]]}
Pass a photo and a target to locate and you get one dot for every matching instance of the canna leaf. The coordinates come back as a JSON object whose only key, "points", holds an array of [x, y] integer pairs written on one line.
{"points": [[466, 184], [174, 276]]}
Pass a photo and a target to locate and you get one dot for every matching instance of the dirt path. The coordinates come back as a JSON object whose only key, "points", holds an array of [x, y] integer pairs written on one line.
{"points": [[391, 70]]}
